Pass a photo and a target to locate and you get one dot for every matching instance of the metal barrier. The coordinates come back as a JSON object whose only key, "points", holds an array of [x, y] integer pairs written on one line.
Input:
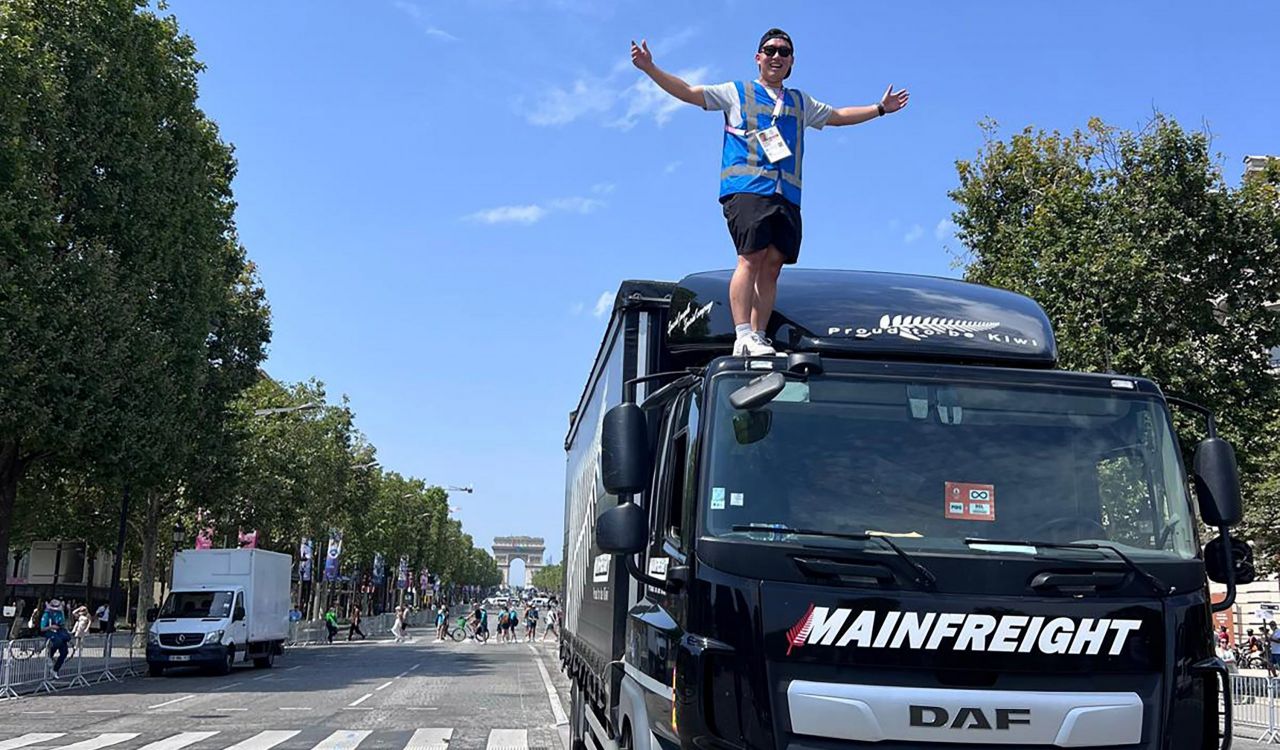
{"points": [[1253, 704], [26, 664]]}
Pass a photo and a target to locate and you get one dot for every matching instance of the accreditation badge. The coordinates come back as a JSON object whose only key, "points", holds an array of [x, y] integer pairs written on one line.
{"points": [[771, 142]]}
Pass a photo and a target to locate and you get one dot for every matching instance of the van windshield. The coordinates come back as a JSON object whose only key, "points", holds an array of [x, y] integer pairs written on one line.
{"points": [[932, 464], [197, 604]]}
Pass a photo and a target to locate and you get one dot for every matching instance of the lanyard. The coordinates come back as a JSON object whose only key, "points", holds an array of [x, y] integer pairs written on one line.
{"points": [[777, 112]]}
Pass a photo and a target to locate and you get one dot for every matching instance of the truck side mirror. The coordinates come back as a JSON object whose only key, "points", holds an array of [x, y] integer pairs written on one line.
{"points": [[624, 450], [1217, 483], [238, 615], [1215, 566], [152, 614], [623, 530]]}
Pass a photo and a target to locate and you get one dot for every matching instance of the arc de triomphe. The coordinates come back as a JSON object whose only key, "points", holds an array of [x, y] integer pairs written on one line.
{"points": [[527, 548]]}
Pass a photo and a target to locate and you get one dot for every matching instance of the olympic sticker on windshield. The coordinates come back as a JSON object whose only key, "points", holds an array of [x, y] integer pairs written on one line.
{"points": [[966, 501]]}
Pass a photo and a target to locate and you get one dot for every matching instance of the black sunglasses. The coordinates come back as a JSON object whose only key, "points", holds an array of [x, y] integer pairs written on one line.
{"points": [[771, 51]]}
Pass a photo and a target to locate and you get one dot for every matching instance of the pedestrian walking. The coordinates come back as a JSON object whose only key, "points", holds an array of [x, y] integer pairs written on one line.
{"points": [[531, 623], [331, 623], [551, 624], [760, 173], [355, 624], [53, 626], [1273, 663], [103, 616], [80, 628], [442, 628]]}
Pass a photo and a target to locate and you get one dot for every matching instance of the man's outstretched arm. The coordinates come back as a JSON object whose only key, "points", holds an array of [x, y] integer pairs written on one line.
{"points": [[892, 101], [642, 58]]}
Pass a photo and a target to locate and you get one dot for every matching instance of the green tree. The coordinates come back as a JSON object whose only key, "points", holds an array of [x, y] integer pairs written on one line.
{"points": [[550, 578], [124, 295], [1147, 263]]}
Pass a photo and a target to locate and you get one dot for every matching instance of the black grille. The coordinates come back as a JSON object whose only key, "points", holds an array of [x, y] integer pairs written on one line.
{"points": [[181, 639]]}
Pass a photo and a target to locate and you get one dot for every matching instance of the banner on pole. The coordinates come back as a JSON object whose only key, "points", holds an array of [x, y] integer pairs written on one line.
{"points": [[304, 559], [379, 569], [331, 558], [403, 578]]}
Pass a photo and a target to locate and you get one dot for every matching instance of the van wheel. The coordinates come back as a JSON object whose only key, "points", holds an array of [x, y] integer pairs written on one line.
{"points": [[266, 662], [228, 662], [155, 670]]}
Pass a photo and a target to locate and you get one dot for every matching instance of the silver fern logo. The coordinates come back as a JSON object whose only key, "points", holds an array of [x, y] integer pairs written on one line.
{"points": [[922, 327]]}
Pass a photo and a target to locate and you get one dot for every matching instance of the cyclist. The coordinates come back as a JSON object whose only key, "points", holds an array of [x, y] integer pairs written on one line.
{"points": [[477, 618]]}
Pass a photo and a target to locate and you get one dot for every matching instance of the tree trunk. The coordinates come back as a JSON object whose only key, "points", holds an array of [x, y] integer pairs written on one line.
{"points": [[147, 565], [10, 472]]}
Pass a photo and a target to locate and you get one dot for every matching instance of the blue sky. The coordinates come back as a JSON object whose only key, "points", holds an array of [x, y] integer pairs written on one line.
{"points": [[442, 197]]}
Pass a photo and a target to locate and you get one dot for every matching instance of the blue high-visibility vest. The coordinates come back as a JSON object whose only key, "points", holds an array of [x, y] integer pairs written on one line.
{"points": [[743, 166]]}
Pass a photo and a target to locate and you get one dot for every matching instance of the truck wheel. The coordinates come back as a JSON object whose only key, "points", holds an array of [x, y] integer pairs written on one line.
{"points": [[577, 720], [228, 662], [266, 662], [155, 670]]}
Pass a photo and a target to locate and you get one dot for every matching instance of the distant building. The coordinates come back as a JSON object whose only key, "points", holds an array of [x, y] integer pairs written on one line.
{"points": [[1256, 163]]}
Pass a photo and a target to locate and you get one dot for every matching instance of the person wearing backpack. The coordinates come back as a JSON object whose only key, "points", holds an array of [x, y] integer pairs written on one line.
{"points": [[53, 626]]}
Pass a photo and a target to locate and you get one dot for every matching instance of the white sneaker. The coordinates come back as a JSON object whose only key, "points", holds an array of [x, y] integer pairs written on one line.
{"points": [[56, 676], [752, 345]]}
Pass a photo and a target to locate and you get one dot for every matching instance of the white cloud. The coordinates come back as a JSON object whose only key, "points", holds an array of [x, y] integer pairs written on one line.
{"points": [[509, 215], [644, 99], [560, 106], [531, 213], [914, 233], [419, 17], [946, 229], [603, 188], [576, 205], [671, 167], [603, 305]]}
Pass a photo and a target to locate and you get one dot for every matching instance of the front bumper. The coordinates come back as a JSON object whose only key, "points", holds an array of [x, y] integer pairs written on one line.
{"points": [[214, 653]]}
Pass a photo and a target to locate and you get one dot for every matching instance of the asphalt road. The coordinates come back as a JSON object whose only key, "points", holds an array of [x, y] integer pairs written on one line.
{"points": [[419, 696]]}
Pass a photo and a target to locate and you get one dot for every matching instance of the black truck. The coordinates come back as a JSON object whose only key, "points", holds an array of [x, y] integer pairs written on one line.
{"points": [[906, 530]]}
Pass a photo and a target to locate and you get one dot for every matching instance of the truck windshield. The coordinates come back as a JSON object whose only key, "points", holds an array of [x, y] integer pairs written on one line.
{"points": [[932, 464], [198, 604]]}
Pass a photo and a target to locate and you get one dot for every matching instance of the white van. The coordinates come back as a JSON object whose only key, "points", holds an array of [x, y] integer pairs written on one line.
{"points": [[226, 607]]}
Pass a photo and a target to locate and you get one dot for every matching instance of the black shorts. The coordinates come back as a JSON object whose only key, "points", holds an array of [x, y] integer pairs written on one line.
{"points": [[758, 221]]}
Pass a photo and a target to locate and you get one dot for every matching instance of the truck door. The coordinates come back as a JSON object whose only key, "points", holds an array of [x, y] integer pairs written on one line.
{"points": [[662, 614], [239, 628]]}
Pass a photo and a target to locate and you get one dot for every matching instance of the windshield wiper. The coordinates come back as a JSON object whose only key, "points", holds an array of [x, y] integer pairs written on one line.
{"points": [[924, 578], [1159, 586]]}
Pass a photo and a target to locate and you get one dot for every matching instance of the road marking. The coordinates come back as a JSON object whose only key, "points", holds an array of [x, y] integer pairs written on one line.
{"points": [[103, 711], [385, 685], [178, 741], [264, 740], [102, 740], [37, 713], [170, 703], [556, 709], [430, 739], [29, 739], [343, 740], [508, 739], [230, 709], [226, 687], [295, 708], [290, 669], [360, 700], [263, 677]]}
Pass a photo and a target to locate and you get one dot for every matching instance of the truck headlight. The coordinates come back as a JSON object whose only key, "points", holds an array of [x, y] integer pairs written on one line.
{"points": [[153, 638], [214, 637]]}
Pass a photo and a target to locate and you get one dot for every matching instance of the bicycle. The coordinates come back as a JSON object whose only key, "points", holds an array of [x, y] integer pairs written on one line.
{"points": [[463, 629]]}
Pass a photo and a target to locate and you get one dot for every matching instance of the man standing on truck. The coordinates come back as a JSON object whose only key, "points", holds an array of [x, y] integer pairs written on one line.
{"points": [[760, 173]]}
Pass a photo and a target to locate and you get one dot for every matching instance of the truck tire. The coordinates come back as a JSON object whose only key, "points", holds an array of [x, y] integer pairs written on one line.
{"points": [[155, 670], [228, 661], [266, 662], [577, 719]]}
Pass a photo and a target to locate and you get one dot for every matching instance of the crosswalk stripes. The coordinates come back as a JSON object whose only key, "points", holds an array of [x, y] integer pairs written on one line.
{"points": [[102, 740], [430, 739], [264, 740], [35, 738], [344, 739], [178, 741]]}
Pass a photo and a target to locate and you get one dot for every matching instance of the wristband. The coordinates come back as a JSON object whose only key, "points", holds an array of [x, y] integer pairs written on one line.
{"points": [[880, 109]]}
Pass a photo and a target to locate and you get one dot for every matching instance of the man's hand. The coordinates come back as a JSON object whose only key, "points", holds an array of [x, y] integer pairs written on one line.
{"points": [[892, 101], [641, 57]]}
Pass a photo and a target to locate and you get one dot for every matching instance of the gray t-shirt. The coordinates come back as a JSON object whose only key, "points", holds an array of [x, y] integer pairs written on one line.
{"points": [[724, 97]]}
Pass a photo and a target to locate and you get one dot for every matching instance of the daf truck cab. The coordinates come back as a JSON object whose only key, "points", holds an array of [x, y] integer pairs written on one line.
{"points": [[908, 530]]}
